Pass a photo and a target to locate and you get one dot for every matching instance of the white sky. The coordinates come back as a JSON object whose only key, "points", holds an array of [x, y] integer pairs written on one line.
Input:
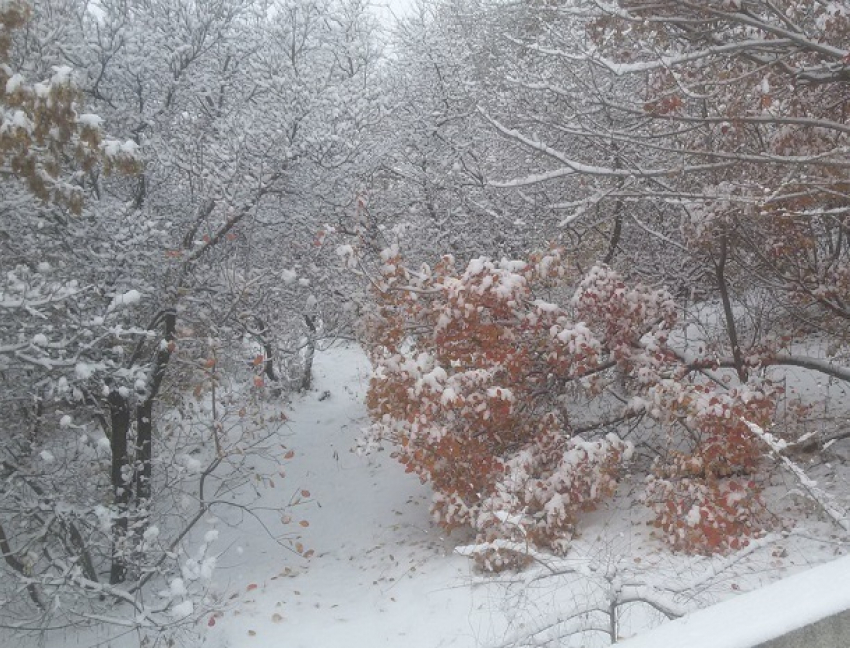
{"points": [[397, 8]]}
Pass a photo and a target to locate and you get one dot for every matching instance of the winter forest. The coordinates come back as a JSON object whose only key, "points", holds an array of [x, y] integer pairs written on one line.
{"points": [[592, 257]]}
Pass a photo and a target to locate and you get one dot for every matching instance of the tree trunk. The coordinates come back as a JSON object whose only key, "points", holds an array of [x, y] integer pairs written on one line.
{"points": [[144, 412], [144, 451], [268, 351], [617, 231], [731, 329], [120, 418], [307, 377]]}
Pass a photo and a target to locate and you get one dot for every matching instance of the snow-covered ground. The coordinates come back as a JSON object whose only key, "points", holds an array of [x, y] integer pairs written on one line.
{"points": [[383, 575], [379, 573]]}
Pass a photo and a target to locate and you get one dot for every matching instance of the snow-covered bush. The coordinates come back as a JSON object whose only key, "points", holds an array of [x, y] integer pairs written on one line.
{"points": [[481, 386]]}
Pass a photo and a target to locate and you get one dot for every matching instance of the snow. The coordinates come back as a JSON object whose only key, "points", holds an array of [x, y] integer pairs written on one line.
{"points": [[84, 371], [126, 299], [192, 464], [382, 574], [15, 82], [754, 618], [177, 588], [694, 516], [61, 75], [182, 610], [546, 307], [89, 120], [116, 149], [17, 119], [104, 516]]}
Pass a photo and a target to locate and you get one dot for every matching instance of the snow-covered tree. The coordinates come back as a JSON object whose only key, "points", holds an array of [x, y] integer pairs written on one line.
{"points": [[126, 299], [692, 145]]}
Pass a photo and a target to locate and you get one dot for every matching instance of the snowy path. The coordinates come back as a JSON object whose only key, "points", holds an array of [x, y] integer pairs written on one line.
{"points": [[381, 573]]}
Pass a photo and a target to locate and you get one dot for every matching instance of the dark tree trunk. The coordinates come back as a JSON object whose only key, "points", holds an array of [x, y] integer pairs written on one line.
{"points": [[617, 231], [144, 412], [268, 351], [731, 328], [13, 562], [120, 418], [307, 377], [144, 451]]}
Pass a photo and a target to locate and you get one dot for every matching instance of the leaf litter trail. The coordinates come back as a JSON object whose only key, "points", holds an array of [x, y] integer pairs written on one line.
{"points": [[381, 574]]}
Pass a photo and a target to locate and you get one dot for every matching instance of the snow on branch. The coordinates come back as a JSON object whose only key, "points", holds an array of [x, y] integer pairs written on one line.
{"points": [[813, 364], [833, 510], [664, 62], [573, 167]]}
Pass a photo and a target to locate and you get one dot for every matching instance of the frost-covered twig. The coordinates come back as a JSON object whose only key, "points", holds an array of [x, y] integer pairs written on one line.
{"points": [[718, 567], [561, 626], [646, 595], [833, 510]]}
